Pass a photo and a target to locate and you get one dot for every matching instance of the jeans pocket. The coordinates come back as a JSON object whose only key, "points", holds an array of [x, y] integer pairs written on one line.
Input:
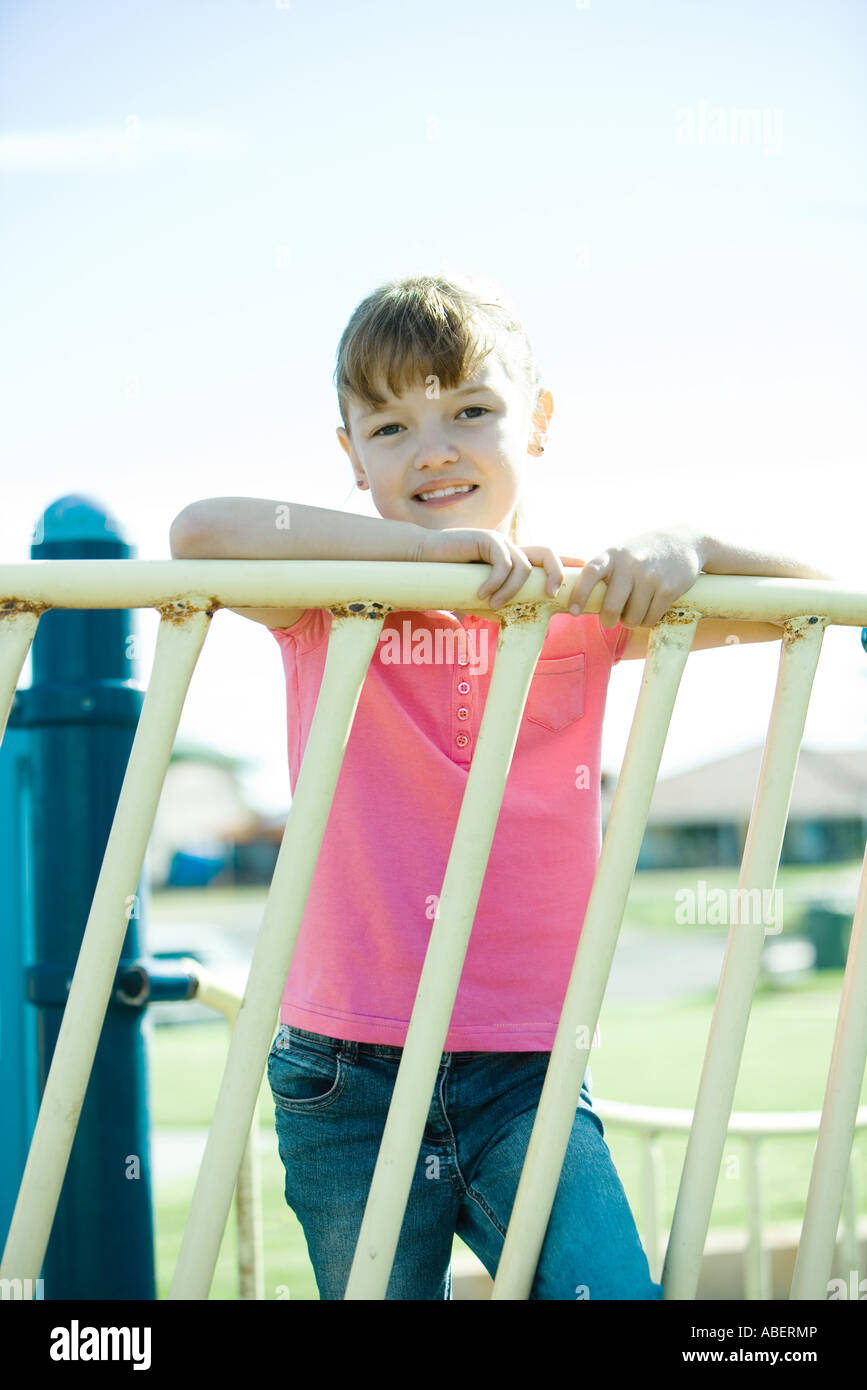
{"points": [[304, 1075], [556, 697]]}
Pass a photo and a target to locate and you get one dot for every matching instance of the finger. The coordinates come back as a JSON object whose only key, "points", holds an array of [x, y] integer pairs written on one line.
{"points": [[595, 569], [635, 612], [500, 561], [516, 579], [662, 601], [555, 573], [616, 598], [579, 608]]}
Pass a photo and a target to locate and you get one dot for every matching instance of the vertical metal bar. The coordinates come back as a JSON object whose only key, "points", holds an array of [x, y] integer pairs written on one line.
{"points": [[17, 629], [802, 642], [517, 653], [178, 646], [248, 1194], [248, 1199], [652, 1173], [669, 647], [756, 1272], [351, 645], [849, 1243], [837, 1128]]}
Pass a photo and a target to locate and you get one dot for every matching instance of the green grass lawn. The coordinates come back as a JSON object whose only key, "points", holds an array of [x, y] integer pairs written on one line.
{"points": [[287, 1268]]}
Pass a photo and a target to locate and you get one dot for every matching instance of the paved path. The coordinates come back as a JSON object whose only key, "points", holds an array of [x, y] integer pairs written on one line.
{"points": [[176, 1153], [656, 966]]}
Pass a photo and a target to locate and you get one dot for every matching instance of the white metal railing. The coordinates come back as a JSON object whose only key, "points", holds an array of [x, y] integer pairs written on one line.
{"points": [[187, 593], [649, 1123], [211, 992]]}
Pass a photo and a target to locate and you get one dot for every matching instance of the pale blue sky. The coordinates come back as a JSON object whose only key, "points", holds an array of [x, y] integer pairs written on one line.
{"points": [[196, 196]]}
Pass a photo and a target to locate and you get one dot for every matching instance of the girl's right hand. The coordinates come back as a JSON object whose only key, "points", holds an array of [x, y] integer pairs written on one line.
{"points": [[510, 565]]}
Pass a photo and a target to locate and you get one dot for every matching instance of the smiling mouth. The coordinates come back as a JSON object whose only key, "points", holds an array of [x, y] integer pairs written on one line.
{"points": [[442, 494]]}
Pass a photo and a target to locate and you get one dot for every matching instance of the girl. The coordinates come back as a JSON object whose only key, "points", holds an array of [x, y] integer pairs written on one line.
{"points": [[442, 408]]}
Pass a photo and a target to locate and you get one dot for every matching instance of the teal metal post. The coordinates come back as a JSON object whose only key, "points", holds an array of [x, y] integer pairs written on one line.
{"points": [[19, 1080], [81, 712]]}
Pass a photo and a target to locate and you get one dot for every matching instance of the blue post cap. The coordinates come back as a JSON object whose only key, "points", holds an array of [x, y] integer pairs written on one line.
{"points": [[78, 648], [864, 638], [77, 526]]}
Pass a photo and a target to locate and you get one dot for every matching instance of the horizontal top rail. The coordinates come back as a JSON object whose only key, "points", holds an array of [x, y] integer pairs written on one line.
{"points": [[36, 585], [771, 1124]]}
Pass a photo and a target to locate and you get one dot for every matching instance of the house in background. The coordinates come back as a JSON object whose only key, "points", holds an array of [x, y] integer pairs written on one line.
{"points": [[700, 817], [204, 830]]}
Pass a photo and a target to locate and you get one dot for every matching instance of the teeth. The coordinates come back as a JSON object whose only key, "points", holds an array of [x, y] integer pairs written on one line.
{"points": [[446, 491]]}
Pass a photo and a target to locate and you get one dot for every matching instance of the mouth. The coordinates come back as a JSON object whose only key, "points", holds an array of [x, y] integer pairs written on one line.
{"points": [[445, 495]]}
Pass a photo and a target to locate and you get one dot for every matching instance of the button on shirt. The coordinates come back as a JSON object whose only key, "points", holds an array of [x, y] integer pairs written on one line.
{"points": [[376, 885]]}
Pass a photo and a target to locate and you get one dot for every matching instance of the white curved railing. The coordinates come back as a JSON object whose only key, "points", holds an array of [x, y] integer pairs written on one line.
{"points": [[186, 594], [211, 992], [648, 1123]]}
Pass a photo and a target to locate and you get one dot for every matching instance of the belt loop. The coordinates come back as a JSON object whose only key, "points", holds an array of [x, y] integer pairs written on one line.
{"points": [[349, 1050]]}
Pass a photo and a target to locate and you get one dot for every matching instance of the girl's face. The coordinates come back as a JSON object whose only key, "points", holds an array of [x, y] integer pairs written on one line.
{"points": [[478, 434]]}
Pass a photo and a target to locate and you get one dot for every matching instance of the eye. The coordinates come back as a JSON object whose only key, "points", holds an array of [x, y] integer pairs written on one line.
{"points": [[382, 429]]}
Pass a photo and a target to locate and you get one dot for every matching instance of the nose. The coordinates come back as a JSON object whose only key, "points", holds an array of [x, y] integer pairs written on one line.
{"points": [[434, 447]]}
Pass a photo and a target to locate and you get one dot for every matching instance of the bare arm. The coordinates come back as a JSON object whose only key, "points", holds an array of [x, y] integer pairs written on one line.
{"points": [[720, 557], [250, 528]]}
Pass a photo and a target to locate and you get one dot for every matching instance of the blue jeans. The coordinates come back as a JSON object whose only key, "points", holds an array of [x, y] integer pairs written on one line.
{"points": [[331, 1100]]}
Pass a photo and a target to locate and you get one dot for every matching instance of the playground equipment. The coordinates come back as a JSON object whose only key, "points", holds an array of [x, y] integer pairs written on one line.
{"points": [[187, 594], [61, 770]]}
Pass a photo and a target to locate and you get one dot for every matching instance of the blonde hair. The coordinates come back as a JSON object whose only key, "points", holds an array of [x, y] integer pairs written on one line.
{"points": [[407, 331]]}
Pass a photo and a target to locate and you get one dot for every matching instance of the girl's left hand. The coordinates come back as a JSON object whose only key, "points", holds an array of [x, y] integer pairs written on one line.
{"points": [[645, 576]]}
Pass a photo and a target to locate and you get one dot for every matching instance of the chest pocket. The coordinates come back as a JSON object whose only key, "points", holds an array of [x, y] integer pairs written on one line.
{"points": [[556, 697]]}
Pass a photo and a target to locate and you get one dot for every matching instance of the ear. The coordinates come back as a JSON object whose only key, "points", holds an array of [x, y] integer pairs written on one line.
{"points": [[346, 444], [543, 411]]}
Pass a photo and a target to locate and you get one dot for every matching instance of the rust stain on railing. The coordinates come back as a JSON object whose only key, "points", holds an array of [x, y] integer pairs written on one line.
{"points": [[366, 608], [520, 613], [795, 629], [178, 610], [13, 606]]}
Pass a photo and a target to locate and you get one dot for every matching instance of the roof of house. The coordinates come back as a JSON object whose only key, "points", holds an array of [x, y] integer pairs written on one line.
{"points": [[830, 785]]}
